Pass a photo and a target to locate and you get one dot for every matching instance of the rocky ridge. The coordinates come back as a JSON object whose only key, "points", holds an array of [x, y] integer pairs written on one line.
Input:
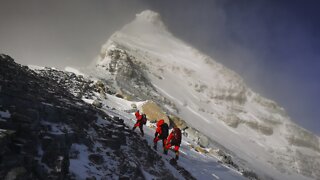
{"points": [[47, 132]]}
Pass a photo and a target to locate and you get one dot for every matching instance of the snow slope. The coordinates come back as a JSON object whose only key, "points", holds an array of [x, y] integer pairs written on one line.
{"points": [[213, 99], [201, 166]]}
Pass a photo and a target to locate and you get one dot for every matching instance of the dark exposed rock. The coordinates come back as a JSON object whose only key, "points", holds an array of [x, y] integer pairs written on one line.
{"points": [[96, 158], [91, 178], [131, 79], [250, 175], [16, 173], [48, 118]]}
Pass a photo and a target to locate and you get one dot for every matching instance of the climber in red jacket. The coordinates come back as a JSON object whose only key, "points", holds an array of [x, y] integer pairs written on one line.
{"points": [[141, 120], [174, 139], [162, 132]]}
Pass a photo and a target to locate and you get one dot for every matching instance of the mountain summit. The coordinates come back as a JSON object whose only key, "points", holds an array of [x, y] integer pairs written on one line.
{"points": [[145, 60], [78, 124]]}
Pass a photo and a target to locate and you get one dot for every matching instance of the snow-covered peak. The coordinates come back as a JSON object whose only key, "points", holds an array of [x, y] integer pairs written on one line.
{"points": [[146, 23], [210, 97], [149, 16]]}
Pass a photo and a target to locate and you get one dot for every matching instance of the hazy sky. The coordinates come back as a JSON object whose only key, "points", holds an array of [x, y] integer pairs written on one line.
{"points": [[273, 45]]}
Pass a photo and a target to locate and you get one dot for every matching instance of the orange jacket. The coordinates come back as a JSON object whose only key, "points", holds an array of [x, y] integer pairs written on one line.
{"points": [[159, 123], [138, 116], [175, 135]]}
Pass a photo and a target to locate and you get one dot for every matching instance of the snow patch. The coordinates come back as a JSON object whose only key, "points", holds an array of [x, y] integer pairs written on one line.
{"points": [[35, 67], [74, 70], [5, 114], [58, 129]]}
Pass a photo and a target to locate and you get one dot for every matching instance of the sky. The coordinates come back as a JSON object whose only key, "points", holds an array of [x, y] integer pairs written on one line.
{"points": [[272, 44]]}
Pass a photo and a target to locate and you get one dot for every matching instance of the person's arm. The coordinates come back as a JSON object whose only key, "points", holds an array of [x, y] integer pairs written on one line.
{"points": [[169, 137], [157, 131]]}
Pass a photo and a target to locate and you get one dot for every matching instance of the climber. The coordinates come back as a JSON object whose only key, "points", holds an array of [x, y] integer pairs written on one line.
{"points": [[141, 120], [162, 132], [174, 139]]}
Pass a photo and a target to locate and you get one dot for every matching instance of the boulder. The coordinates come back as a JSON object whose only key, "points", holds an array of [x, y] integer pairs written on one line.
{"points": [[96, 158], [203, 140], [154, 112], [219, 152], [227, 159], [191, 133], [97, 103], [133, 106], [232, 120], [197, 137], [119, 95], [178, 122], [200, 150]]}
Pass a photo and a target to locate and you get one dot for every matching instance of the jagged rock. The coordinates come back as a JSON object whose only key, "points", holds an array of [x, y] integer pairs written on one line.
{"points": [[154, 112], [203, 140], [264, 129], [96, 158], [16, 173], [197, 137], [219, 152], [119, 95], [134, 106], [227, 159], [97, 103], [250, 175], [191, 133], [111, 143], [178, 122], [201, 150], [232, 120], [91, 178], [51, 123]]}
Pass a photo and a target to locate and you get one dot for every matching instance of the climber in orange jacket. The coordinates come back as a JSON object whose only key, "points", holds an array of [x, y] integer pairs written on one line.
{"points": [[162, 132], [141, 120], [174, 139]]}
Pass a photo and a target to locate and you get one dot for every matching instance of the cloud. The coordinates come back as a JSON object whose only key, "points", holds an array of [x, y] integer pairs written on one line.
{"points": [[47, 32]]}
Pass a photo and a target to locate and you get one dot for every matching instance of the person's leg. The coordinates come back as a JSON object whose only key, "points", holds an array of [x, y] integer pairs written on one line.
{"points": [[176, 149], [141, 129], [135, 126], [164, 143], [155, 142], [167, 147]]}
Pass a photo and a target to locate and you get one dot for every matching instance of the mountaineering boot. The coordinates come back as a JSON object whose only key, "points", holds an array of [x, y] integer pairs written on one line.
{"points": [[173, 161], [177, 155]]}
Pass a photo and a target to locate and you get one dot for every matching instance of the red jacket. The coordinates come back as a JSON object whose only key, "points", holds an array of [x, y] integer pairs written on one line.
{"points": [[175, 137], [159, 123], [138, 116]]}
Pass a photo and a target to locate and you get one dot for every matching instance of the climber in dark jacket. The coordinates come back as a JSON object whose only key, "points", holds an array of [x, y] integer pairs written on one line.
{"points": [[162, 132], [174, 139], [141, 120]]}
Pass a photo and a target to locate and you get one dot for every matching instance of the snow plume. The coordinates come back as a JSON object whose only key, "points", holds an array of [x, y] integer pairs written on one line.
{"points": [[272, 45]]}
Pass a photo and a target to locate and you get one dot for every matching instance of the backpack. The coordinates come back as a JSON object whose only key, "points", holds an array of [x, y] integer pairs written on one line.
{"points": [[144, 119], [164, 130], [177, 135]]}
